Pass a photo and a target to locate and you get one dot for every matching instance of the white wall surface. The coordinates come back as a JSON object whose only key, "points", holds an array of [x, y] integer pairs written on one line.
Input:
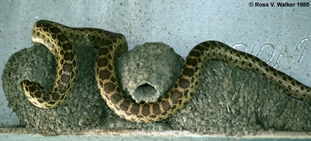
{"points": [[279, 35]]}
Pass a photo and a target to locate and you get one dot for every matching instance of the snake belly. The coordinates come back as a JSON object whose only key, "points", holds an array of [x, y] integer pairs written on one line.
{"points": [[59, 39]]}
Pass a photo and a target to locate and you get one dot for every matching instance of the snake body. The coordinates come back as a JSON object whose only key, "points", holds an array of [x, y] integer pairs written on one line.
{"points": [[59, 39]]}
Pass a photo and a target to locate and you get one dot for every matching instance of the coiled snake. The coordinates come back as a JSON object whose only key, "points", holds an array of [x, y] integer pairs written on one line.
{"points": [[59, 39]]}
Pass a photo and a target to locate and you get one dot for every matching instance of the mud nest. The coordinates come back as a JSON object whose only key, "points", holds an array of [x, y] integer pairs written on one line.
{"points": [[229, 101]]}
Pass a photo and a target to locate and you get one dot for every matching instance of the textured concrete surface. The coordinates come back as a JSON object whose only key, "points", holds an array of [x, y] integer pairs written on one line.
{"points": [[280, 36], [142, 136]]}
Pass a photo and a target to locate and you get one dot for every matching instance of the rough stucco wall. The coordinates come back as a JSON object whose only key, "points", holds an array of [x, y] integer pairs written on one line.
{"points": [[281, 36]]}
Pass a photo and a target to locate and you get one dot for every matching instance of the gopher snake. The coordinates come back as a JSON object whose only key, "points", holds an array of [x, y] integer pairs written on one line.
{"points": [[59, 39]]}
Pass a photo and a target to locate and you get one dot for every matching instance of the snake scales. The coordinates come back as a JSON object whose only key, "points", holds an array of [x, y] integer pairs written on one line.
{"points": [[59, 39]]}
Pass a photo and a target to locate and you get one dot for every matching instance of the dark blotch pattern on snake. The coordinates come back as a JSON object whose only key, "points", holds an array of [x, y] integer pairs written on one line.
{"points": [[59, 39]]}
